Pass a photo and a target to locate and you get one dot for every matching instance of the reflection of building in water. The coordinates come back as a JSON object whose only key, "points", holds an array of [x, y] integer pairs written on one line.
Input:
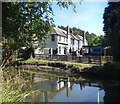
{"points": [[46, 96], [51, 86], [71, 87], [80, 85], [67, 90]]}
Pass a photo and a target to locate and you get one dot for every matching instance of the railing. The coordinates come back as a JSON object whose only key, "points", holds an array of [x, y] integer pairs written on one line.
{"points": [[81, 59]]}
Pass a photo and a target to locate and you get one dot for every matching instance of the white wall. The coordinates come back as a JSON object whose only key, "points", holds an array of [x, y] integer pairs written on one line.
{"points": [[80, 44], [64, 40], [61, 51], [69, 42], [52, 44]]}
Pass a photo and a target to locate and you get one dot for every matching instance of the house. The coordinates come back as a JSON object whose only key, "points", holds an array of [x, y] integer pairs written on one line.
{"points": [[63, 42], [108, 51], [92, 50]]}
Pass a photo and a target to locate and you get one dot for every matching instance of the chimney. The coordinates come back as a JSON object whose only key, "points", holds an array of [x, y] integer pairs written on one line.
{"points": [[68, 32], [83, 37], [71, 31]]}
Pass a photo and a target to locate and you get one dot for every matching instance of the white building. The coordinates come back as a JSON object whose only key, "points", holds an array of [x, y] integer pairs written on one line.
{"points": [[63, 42]]}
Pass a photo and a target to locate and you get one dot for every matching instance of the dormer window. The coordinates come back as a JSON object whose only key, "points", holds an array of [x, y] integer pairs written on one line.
{"points": [[63, 32], [52, 38]]}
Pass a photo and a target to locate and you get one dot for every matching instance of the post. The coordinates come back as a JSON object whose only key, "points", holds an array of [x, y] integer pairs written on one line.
{"points": [[100, 59], [107, 58], [80, 59], [89, 59]]}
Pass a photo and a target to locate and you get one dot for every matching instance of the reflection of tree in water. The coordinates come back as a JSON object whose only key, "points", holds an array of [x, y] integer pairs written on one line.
{"points": [[21, 84], [112, 91]]}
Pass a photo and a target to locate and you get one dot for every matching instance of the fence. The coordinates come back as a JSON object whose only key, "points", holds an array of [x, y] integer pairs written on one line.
{"points": [[81, 59]]}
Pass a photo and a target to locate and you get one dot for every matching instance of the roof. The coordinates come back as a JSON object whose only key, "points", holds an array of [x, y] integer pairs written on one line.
{"points": [[91, 46], [74, 37], [108, 47], [64, 33], [60, 31], [79, 37]]}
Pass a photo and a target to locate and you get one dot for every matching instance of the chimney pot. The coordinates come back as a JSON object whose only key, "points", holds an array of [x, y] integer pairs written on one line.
{"points": [[71, 31], [68, 31]]}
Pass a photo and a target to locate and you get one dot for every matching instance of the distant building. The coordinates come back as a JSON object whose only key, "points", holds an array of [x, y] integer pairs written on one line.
{"points": [[93, 50], [63, 42], [108, 51]]}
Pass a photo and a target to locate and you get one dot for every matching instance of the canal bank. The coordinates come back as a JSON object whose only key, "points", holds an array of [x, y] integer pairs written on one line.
{"points": [[106, 71], [56, 88], [57, 66], [38, 86]]}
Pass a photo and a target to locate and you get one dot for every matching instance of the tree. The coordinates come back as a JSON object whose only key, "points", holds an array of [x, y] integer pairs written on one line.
{"points": [[97, 41], [23, 19], [77, 31], [111, 28], [89, 37]]}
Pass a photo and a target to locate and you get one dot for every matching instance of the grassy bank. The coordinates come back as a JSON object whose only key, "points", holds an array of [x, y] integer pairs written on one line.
{"points": [[71, 66], [108, 70]]}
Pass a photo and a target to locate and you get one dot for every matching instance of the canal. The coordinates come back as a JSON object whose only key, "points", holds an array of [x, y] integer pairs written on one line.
{"points": [[55, 88]]}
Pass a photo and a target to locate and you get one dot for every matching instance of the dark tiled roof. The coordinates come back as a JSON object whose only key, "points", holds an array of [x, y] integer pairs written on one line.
{"points": [[60, 31], [79, 37], [64, 33]]}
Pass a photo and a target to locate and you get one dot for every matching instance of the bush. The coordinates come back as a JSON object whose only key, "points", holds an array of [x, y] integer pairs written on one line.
{"points": [[112, 69]]}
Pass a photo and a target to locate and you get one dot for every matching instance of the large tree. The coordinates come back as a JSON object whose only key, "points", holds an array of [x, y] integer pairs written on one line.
{"points": [[111, 28], [20, 20]]}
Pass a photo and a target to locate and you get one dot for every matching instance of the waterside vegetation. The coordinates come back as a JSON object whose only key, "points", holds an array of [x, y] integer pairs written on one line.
{"points": [[109, 70]]}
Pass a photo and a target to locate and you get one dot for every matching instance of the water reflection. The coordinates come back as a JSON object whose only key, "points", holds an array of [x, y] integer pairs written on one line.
{"points": [[47, 88], [57, 89]]}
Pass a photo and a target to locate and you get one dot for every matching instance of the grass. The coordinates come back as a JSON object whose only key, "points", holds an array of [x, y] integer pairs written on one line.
{"points": [[14, 87], [75, 64], [68, 67]]}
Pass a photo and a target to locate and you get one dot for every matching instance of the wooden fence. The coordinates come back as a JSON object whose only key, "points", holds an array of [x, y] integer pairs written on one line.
{"points": [[81, 59]]}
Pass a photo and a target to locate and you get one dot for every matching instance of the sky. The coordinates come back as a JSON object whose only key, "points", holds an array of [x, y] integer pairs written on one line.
{"points": [[89, 16]]}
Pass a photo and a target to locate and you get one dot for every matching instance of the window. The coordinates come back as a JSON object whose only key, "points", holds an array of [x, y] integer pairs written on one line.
{"points": [[73, 41], [73, 49], [59, 49], [59, 38], [52, 38], [64, 39], [96, 50]]}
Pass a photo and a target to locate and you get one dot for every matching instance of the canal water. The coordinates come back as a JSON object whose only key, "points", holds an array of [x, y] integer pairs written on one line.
{"points": [[63, 89], [56, 88]]}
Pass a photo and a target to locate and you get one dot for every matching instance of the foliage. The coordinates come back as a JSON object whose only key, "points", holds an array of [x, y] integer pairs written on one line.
{"points": [[27, 22], [111, 28], [77, 66], [112, 69], [77, 31], [15, 87], [89, 37], [98, 41]]}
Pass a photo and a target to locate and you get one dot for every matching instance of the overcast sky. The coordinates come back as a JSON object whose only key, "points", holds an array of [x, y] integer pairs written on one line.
{"points": [[89, 16]]}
